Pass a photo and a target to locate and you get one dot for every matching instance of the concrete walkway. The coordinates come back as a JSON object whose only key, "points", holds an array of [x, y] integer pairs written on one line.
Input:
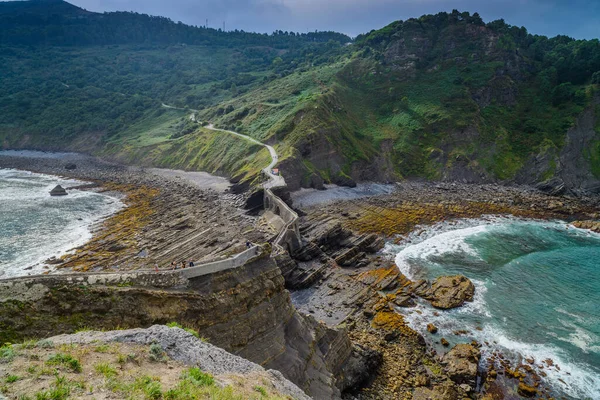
{"points": [[274, 180]]}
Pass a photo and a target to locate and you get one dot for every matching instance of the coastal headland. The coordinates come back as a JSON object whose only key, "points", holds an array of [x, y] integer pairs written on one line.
{"points": [[344, 292]]}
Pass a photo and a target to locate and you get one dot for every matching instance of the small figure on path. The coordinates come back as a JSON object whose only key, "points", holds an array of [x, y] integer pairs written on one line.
{"points": [[248, 244], [191, 264], [183, 265], [155, 267], [173, 265]]}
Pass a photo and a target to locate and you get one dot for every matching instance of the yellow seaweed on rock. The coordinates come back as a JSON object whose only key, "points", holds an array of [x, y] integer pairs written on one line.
{"points": [[118, 232]]}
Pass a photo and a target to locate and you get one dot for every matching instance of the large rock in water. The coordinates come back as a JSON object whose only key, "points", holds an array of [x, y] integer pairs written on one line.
{"points": [[450, 291], [58, 191], [461, 363]]}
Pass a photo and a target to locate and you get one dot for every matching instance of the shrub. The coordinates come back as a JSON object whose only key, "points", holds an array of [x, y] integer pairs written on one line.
{"points": [[156, 353], [64, 359], [7, 353], [45, 344], [105, 369], [199, 378], [261, 390]]}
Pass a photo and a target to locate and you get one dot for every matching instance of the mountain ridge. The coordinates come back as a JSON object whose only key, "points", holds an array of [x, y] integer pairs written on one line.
{"points": [[439, 97]]}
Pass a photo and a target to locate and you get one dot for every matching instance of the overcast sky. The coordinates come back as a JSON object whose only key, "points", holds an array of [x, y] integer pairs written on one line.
{"points": [[576, 18]]}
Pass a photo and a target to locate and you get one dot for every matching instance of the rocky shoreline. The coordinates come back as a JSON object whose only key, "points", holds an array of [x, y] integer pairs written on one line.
{"points": [[338, 277], [167, 219], [363, 290]]}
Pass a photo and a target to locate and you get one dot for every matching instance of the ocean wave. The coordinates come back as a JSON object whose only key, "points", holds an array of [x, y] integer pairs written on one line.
{"points": [[37, 226], [438, 245], [427, 250]]}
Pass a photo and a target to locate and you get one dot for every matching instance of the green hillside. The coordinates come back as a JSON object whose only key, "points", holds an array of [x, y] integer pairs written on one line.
{"points": [[443, 96]]}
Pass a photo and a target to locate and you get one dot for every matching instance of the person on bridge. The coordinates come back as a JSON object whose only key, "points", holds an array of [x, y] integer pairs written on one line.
{"points": [[248, 244], [191, 264]]}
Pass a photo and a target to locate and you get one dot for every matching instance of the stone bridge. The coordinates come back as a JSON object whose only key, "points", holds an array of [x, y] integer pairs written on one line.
{"points": [[289, 236]]}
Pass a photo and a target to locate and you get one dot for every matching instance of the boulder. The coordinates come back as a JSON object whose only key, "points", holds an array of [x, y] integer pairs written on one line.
{"points": [[70, 167], [461, 363], [450, 291], [432, 328], [58, 191], [404, 301], [591, 225]]}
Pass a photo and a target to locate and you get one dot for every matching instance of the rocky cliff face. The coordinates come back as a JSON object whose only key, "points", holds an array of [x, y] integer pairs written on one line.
{"points": [[568, 169], [246, 311]]}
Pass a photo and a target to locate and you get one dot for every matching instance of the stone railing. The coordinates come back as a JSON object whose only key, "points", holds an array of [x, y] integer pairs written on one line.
{"points": [[289, 237], [35, 286], [216, 266]]}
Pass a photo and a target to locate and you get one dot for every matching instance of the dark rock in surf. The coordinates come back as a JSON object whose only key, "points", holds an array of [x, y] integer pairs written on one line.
{"points": [[449, 292], [70, 167], [58, 191]]}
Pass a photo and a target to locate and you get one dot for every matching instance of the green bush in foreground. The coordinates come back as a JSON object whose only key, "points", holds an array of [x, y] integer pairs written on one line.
{"points": [[64, 359]]}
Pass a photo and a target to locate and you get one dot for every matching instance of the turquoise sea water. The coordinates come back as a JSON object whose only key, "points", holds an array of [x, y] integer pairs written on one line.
{"points": [[35, 226], [537, 293]]}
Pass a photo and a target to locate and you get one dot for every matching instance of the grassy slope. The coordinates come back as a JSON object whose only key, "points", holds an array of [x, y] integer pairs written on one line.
{"points": [[357, 106], [150, 143], [44, 371], [359, 103]]}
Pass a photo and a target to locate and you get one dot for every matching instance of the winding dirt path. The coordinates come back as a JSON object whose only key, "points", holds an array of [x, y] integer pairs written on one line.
{"points": [[274, 180]]}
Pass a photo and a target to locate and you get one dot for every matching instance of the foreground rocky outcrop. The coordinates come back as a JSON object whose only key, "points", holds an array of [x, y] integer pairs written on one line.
{"points": [[245, 310], [137, 362]]}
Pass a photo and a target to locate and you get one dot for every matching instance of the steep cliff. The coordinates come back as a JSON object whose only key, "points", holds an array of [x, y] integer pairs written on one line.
{"points": [[245, 310], [440, 97]]}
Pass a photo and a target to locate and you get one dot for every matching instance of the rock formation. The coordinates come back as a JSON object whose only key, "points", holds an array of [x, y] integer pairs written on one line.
{"points": [[58, 191], [245, 311], [461, 363], [450, 292], [591, 225]]}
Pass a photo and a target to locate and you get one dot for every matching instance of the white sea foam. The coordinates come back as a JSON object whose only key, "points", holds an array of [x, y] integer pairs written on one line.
{"points": [[37, 226], [444, 243], [574, 378]]}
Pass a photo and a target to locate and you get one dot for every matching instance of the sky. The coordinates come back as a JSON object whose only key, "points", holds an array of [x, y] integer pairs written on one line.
{"points": [[576, 18]]}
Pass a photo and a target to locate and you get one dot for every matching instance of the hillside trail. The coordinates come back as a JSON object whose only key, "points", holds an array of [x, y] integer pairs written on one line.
{"points": [[274, 180]]}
